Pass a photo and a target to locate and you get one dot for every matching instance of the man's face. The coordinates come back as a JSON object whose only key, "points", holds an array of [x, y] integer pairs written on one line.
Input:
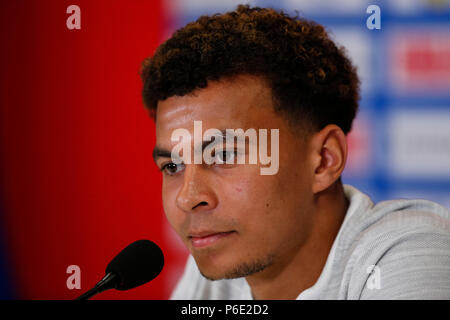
{"points": [[235, 221]]}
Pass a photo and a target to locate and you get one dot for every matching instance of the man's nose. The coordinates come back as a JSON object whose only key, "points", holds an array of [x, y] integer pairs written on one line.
{"points": [[196, 194]]}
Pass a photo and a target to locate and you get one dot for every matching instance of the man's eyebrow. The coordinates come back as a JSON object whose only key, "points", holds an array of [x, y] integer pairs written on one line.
{"points": [[213, 139], [223, 135], [161, 153]]}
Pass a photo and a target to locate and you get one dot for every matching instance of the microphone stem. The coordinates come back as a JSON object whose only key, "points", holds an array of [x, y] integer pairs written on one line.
{"points": [[104, 284], [88, 294]]}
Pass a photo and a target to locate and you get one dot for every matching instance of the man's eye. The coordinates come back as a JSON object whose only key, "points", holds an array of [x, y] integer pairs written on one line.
{"points": [[172, 168], [225, 157]]}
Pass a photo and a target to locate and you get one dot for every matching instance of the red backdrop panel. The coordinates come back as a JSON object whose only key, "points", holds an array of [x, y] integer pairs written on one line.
{"points": [[77, 178]]}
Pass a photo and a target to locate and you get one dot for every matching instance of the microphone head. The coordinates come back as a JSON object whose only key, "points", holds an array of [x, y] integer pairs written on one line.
{"points": [[139, 263]]}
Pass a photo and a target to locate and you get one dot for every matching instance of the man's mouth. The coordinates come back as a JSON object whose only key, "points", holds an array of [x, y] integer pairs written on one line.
{"points": [[207, 238]]}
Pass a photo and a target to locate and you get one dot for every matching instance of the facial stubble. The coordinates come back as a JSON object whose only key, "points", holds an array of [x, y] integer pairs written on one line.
{"points": [[244, 269]]}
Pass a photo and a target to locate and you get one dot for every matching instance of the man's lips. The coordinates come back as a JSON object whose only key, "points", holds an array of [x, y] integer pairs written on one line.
{"points": [[207, 238]]}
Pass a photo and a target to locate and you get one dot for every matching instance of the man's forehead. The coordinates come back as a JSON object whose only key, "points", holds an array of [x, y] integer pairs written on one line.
{"points": [[223, 104]]}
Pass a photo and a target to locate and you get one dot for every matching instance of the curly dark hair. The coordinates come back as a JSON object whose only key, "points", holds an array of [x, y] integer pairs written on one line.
{"points": [[313, 82]]}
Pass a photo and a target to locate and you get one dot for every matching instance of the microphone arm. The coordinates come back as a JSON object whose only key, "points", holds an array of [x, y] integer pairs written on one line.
{"points": [[109, 281]]}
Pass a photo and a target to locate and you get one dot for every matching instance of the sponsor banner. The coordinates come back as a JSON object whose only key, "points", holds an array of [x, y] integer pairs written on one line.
{"points": [[359, 161], [417, 7], [419, 60], [419, 144], [341, 7], [199, 7], [359, 49]]}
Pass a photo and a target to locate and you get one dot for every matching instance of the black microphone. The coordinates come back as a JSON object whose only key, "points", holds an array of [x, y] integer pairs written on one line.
{"points": [[139, 263]]}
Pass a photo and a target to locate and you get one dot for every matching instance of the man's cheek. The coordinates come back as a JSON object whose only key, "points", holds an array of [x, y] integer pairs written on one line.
{"points": [[171, 212], [239, 191]]}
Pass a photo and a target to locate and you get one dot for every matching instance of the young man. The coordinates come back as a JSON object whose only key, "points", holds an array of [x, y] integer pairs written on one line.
{"points": [[298, 232]]}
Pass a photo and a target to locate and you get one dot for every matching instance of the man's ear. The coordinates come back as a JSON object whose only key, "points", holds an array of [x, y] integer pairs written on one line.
{"points": [[328, 154]]}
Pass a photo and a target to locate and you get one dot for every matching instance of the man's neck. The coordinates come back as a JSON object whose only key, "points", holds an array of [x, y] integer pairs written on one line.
{"points": [[289, 276]]}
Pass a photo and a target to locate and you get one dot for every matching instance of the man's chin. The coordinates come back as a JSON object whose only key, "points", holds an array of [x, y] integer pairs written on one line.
{"points": [[239, 270], [212, 277], [215, 272]]}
